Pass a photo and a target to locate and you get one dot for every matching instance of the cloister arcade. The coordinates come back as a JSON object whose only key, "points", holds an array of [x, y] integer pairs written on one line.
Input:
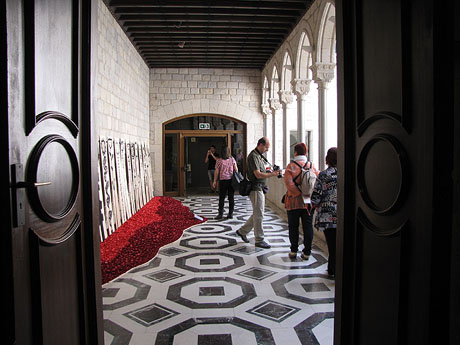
{"points": [[299, 96]]}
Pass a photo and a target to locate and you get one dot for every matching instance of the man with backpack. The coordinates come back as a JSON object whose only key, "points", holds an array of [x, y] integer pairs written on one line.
{"points": [[299, 177]]}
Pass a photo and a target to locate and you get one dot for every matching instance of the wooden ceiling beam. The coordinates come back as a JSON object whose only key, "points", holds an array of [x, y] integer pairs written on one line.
{"points": [[207, 30], [204, 5]]}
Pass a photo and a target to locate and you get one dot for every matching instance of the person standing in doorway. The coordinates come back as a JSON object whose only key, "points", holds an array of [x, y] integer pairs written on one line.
{"points": [[224, 171], [324, 199], [298, 206], [257, 174], [211, 158]]}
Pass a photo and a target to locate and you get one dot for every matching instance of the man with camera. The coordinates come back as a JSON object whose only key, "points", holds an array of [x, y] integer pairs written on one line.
{"points": [[257, 173], [211, 158]]}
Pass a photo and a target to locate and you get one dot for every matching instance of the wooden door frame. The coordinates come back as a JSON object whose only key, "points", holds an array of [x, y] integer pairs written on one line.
{"points": [[195, 133], [6, 243]]}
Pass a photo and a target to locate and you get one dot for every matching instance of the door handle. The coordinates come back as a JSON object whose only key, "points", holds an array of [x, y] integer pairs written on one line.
{"points": [[23, 184]]}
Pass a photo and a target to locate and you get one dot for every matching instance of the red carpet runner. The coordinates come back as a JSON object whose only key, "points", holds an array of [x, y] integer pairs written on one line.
{"points": [[161, 221]]}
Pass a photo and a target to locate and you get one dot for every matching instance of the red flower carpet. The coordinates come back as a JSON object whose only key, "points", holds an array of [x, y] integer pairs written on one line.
{"points": [[161, 221]]}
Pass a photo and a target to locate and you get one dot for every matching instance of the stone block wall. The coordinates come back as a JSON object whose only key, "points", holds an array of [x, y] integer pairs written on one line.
{"points": [[176, 92], [122, 83]]}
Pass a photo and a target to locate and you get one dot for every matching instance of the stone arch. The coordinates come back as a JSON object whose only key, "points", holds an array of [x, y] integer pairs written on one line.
{"points": [[287, 72], [206, 106], [252, 119], [275, 83], [326, 52], [265, 90], [304, 57]]}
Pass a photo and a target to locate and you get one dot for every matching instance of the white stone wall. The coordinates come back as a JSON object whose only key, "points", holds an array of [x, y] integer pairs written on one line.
{"points": [[176, 92], [122, 83]]}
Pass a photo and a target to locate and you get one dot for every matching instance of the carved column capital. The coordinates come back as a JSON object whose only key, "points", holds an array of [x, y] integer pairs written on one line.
{"points": [[286, 97], [323, 72], [275, 104], [266, 109], [301, 86]]}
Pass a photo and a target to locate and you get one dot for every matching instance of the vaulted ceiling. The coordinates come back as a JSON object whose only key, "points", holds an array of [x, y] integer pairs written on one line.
{"points": [[208, 33]]}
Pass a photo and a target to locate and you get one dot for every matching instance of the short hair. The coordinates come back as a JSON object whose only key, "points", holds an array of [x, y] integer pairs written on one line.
{"points": [[301, 149], [331, 157], [213, 146], [262, 141]]}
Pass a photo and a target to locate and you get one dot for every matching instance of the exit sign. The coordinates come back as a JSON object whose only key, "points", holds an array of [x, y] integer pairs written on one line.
{"points": [[204, 125]]}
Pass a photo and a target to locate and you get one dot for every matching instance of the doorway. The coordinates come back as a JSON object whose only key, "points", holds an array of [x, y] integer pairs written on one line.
{"points": [[196, 170], [185, 143]]}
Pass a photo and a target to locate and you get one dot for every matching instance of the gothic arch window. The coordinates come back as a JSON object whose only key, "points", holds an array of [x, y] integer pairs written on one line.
{"points": [[326, 52], [265, 91], [275, 83], [277, 119], [304, 57], [287, 73]]}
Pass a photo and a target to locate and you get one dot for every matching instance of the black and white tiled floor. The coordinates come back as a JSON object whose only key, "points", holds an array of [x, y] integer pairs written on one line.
{"points": [[211, 288]]}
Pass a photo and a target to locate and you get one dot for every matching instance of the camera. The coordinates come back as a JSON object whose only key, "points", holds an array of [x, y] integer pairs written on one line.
{"points": [[277, 168]]}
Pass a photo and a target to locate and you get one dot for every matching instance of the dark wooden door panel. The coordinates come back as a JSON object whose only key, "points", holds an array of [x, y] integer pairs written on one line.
{"points": [[48, 53], [395, 164]]}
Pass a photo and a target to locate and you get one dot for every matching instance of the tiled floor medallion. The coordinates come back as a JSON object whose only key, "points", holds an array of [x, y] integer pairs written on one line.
{"points": [[210, 288], [240, 331], [273, 311], [281, 260], [210, 229], [163, 275], [195, 263], [151, 314], [295, 287], [129, 291], [211, 292], [256, 273], [202, 242]]}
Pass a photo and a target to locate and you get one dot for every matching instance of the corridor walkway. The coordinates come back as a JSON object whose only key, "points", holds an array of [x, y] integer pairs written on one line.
{"points": [[211, 288]]}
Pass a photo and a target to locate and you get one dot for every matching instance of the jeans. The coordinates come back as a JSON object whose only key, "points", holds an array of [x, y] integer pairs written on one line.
{"points": [[226, 188], [257, 198], [307, 226]]}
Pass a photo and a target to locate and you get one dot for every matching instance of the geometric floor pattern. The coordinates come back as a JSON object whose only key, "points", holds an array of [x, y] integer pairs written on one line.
{"points": [[210, 288]]}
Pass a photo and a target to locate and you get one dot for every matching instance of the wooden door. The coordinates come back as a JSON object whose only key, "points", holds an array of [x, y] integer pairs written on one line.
{"points": [[395, 171], [54, 263]]}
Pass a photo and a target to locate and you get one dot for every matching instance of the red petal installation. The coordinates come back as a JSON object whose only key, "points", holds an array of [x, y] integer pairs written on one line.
{"points": [[161, 221]]}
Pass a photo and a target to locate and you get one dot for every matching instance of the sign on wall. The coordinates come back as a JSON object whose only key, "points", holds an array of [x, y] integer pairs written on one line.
{"points": [[204, 125]]}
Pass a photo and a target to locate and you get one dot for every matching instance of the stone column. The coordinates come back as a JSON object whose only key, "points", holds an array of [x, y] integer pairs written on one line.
{"points": [[275, 106], [301, 89], [323, 73], [266, 111], [286, 98]]}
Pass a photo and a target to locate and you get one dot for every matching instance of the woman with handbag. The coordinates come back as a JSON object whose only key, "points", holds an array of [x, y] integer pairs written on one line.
{"points": [[297, 205], [224, 171]]}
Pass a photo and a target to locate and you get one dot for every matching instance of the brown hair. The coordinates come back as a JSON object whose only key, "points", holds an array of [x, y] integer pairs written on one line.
{"points": [[331, 157], [226, 152], [301, 149]]}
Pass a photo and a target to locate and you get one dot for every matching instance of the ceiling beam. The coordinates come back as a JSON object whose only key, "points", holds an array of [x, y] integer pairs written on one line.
{"points": [[221, 4], [213, 11]]}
